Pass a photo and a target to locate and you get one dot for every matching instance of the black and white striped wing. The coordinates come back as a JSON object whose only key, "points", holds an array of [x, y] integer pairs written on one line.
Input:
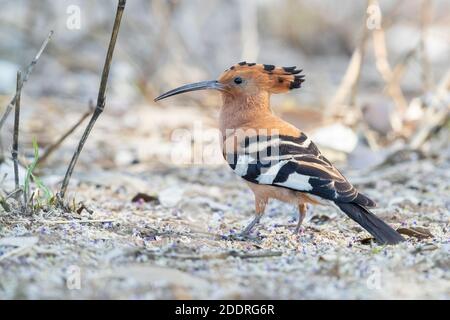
{"points": [[294, 163]]}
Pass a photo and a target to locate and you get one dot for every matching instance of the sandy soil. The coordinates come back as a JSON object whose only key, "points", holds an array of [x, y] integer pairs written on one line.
{"points": [[176, 245]]}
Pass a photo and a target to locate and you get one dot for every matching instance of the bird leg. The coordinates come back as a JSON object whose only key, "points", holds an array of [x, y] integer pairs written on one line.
{"points": [[260, 206], [302, 209], [250, 226]]}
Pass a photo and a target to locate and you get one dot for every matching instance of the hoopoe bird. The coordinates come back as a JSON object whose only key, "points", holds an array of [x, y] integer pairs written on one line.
{"points": [[277, 160]]}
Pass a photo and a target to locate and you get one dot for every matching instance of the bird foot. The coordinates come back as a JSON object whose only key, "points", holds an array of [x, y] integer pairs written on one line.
{"points": [[299, 230]]}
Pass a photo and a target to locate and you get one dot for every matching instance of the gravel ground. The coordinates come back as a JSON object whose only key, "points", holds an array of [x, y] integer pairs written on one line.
{"points": [[173, 242], [142, 227], [175, 245]]}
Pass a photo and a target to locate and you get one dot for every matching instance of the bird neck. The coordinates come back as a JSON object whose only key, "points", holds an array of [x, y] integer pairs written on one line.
{"points": [[237, 112]]}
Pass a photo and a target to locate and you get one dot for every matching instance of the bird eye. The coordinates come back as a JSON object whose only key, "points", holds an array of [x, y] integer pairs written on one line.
{"points": [[238, 80]]}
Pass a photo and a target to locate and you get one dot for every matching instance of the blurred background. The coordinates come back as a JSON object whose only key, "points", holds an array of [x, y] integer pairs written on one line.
{"points": [[149, 212], [377, 73]]}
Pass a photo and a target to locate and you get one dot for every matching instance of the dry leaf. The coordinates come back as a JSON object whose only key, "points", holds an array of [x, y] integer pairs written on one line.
{"points": [[417, 232], [145, 198]]}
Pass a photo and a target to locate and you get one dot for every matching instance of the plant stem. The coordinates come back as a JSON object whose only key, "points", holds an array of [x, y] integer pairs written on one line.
{"points": [[15, 145], [58, 142], [25, 78], [100, 99]]}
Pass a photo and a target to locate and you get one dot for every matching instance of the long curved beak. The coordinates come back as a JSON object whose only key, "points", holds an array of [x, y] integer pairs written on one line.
{"points": [[203, 85]]}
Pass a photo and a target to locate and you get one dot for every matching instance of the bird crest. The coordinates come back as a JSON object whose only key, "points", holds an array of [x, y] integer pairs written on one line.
{"points": [[272, 78]]}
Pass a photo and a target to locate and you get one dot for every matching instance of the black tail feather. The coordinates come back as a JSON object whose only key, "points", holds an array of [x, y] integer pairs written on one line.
{"points": [[383, 233]]}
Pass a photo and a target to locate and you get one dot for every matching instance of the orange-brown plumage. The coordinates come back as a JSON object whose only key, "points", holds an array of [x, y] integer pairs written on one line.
{"points": [[275, 158]]}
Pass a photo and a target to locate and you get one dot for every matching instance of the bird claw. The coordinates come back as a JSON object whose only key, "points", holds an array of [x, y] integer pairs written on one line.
{"points": [[245, 234], [299, 230]]}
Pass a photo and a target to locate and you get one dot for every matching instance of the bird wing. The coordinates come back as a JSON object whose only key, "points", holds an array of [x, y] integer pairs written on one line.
{"points": [[294, 163]]}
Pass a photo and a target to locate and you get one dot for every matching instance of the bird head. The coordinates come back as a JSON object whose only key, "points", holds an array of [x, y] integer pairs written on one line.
{"points": [[246, 79]]}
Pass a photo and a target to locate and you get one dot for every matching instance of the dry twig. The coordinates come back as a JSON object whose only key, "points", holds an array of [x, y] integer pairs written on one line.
{"points": [[349, 82], [384, 68], [100, 99], [15, 252], [78, 221], [15, 145], [50, 149], [221, 255], [425, 17], [24, 79], [436, 114]]}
